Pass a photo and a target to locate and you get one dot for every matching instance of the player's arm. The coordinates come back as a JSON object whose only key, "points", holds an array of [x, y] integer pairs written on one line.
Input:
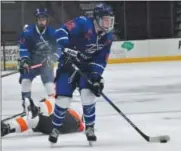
{"points": [[22, 44], [100, 61], [70, 29], [24, 52], [53, 57], [97, 68]]}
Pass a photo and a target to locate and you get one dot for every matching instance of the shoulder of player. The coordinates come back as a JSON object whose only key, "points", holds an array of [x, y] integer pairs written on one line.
{"points": [[110, 36], [83, 20], [28, 29], [51, 30], [86, 23]]}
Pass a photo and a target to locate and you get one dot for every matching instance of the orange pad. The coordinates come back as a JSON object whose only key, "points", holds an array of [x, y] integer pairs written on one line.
{"points": [[49, 106], [78, 118], [22, 123], [74, 114]]}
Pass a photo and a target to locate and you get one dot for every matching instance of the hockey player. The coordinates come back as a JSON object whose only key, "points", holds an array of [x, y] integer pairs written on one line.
{"points": [[86, 42], [37, 45], [42, 121]]}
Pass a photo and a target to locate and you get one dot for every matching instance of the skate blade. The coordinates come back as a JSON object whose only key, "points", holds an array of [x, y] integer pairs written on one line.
{"points": [[52, 145], [90, 143]]}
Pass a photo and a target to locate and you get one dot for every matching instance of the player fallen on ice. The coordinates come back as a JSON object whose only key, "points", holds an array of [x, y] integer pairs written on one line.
{"points": [[86, 42], [41, 121], [37, 45]]}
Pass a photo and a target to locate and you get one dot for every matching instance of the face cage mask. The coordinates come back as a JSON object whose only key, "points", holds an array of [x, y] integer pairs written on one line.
{"points": [[41, 25], [106, 29]]}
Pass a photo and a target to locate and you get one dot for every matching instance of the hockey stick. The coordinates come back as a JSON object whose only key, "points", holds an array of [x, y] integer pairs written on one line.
{"points": [[161, 139], [16, 115], [8, 74], [32, 67]]}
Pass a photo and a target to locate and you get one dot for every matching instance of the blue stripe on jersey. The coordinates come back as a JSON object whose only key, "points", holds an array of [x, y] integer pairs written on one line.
{"points": [[61, 30], [98, 68], [62, 39], [24, 53], [61, 36]]}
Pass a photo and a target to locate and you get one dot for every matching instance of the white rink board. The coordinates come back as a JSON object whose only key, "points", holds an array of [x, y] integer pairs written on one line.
{"points": [[147, 48]]}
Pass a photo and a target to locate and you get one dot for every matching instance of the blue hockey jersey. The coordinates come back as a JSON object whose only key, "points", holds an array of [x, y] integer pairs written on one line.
{"points": [[80, 34], [37, 45]]}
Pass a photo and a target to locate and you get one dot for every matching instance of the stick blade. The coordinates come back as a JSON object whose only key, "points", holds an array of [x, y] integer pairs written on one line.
{"points": [[159, 139]]}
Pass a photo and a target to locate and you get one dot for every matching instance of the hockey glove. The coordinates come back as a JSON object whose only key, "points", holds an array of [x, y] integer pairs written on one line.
{"points": [[97, 84], [24, 65], [69, 56], [5, 129], [74, 55]]}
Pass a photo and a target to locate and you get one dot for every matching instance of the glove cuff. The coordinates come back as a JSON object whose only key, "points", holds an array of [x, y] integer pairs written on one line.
{"points": [[95, 76]]}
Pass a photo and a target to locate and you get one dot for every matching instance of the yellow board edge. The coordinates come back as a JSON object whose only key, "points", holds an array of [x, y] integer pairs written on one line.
{"points": [[144, 59], [122, 60]]}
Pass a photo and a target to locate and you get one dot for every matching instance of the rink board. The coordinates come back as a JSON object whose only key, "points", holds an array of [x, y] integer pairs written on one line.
{"points": [[123, 51], [145, 50], [122, 60]]}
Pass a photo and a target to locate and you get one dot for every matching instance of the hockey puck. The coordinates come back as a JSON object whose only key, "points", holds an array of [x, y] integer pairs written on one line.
{"points": [[163, 141]]}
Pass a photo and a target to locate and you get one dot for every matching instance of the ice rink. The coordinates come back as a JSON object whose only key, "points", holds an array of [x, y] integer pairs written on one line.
{"points": [[148, 93]]}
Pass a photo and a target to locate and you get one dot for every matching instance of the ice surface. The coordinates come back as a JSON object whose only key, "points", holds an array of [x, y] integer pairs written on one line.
{"points": [[148, 93]]}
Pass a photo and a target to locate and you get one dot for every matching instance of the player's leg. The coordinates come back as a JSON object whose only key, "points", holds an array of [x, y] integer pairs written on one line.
{"points": [[64, 91], [45, 116], [72, 122], [26, 83], [22, 123], [88, 102], [18, 125], [47, 76], [39, 122]]}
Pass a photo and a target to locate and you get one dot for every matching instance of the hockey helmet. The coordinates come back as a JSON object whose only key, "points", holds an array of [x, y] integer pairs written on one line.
{"points": [[42, 15], [103, 14]]}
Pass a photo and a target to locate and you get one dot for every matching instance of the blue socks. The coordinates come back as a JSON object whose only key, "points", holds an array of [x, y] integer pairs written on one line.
{"points": [[89, 114], [58, 116]]}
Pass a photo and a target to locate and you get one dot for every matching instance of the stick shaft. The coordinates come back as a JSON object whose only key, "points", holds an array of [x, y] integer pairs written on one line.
{"points": [[113, 105], [16, 115], [14, 72]]}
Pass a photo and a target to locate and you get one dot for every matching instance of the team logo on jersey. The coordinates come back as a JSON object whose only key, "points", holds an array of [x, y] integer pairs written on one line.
{"points": [[92, 48], [41, 45]]}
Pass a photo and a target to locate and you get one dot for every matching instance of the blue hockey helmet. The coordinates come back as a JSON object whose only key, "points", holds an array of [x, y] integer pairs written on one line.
{"points": [[104, 17], [41, 12], [42, 15]]}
